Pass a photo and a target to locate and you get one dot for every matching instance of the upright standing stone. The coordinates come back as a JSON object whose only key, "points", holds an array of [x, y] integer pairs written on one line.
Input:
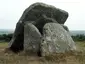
{"points": [[56, 40], [32, 39]]}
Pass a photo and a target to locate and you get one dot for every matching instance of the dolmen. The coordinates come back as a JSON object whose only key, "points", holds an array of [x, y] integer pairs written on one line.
{"points": [[41, 31]]}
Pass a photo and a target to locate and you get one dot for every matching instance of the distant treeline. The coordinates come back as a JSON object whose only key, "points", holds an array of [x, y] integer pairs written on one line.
{"points": [[7, 37], [79, 37]]}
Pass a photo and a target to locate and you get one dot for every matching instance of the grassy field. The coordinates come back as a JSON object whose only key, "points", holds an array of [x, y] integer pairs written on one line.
{"points": [[77, 57]]}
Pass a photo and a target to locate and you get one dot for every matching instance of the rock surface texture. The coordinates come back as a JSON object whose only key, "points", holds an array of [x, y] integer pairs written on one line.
{"points": [[56, 40], [31, 37], [37, 10]]}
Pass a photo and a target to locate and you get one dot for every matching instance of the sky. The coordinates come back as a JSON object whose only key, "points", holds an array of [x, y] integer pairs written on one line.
{"points": [[11, 11]]}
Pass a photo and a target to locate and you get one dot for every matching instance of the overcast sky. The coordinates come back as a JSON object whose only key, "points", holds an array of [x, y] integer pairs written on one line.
{"points": [[11, 11]]}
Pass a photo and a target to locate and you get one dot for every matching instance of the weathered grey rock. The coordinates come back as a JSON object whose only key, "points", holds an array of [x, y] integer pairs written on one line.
{"points": [[36, 10], [56, 40], [38, 14], [41, 22], [16, 43], [65, 27], [32, 39]]}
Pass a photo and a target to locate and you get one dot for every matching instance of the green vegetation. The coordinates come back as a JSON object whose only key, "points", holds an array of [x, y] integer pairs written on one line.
{"points": [[80, 37], [5, 37]]}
